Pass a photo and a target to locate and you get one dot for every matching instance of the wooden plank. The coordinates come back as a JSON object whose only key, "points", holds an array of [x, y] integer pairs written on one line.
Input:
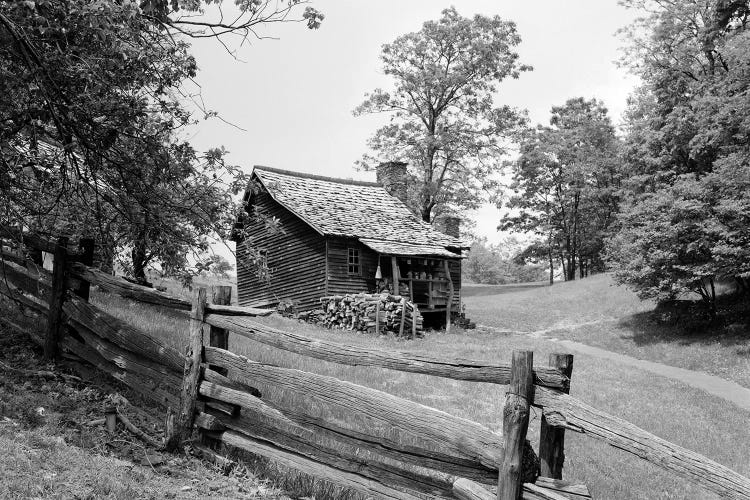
{"points": [[260, 419], [208, 422], [358, 457], [562, 410], [534, 492], [219, 337], [30, 301], [56, 299], [449, 307], [227, 310], [552, 439], [131, 362], [381, 417], [465, 489], [126, 289], [154, 390], [515, 425], [363, 485], [84, 315], [183, 427], [31, 240], [148, 295], [566, 488], [38, 284], [448, 367]]}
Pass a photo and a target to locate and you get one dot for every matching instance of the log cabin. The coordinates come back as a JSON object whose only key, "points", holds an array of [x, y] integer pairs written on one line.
{"points": [[305, 236]]}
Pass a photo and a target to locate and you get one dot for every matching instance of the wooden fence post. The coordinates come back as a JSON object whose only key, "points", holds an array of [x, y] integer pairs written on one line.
{"points": [[219, 337], [552, 439], [515, 425], [56, 299], [183, 424], [86, 246]]}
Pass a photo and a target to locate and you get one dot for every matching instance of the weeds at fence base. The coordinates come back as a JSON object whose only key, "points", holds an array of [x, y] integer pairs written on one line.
{"points": [[291, 480]]}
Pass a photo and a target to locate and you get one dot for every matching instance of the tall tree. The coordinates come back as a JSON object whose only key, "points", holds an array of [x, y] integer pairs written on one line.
{"points": [[565, 183], [444, 122], [687, 147]]}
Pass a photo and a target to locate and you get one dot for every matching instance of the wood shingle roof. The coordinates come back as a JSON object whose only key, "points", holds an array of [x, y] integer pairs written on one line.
{"points": [[354, 209]]}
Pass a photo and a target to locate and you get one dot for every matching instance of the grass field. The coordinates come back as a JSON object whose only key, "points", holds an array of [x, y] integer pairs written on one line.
{"points": [[662, 406], [594, 311]]}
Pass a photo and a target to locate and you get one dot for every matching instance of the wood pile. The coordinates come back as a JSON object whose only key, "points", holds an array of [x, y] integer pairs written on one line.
{"points": [[372, 313]]}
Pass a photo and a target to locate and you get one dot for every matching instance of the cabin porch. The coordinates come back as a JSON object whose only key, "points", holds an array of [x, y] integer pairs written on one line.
{"points": [[432, 283]]}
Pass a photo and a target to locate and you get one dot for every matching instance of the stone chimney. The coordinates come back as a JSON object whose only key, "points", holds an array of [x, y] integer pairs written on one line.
{"points": [[452, 226], [392, 176]]}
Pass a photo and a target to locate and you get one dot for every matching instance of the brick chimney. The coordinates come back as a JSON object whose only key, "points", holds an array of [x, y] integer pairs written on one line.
{"points": [[392, 176], [452, 226]]}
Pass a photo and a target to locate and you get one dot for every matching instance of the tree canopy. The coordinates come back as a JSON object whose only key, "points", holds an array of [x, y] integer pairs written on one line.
{"points": [[443, 119], [684, 219], [565, 185], [91, 120]]}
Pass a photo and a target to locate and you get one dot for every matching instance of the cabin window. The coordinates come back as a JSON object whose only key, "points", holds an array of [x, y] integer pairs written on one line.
{"points": [[353, 262]]}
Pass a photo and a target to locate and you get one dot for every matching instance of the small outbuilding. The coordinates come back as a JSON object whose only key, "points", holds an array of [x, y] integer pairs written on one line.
{"points": [[309, 236]]}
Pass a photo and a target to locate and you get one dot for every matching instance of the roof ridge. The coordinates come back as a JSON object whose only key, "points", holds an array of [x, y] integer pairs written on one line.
{"points": [[316, 177]]}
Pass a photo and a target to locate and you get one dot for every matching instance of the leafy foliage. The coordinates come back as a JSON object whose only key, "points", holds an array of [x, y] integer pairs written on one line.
{"points": [[495, 264], [90, 125], [565, 185], [443, 119], [687, 150]]}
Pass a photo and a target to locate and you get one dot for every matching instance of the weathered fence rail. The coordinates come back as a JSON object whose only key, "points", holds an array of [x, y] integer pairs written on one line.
{"points": [[386, 447]]}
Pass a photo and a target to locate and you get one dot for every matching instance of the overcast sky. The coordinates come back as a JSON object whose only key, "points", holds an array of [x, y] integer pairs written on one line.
{"points": [[294, 96]]}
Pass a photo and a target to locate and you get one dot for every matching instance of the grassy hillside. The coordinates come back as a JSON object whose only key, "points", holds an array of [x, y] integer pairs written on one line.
{"points": [[597, 312], [595, 298], [665, 407]]}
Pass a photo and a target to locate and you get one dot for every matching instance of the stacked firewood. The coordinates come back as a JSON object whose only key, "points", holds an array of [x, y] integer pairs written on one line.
{"points": [[372, 313]]}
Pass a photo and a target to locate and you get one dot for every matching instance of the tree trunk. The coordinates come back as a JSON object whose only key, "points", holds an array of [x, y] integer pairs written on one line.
{"points": [[571, 268], [581, 267], [564, 268], [139, 258], [551, 265]]}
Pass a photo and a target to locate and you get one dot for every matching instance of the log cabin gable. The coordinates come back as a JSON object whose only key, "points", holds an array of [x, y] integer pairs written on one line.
{"points": [[293, 253]]}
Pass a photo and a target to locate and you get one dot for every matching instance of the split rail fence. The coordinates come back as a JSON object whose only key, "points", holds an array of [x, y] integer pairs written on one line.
{"points": [[386, 447]]}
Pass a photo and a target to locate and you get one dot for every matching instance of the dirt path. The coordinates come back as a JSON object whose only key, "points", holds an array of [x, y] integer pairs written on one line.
{"points": [[711, 384], [716, 386]]}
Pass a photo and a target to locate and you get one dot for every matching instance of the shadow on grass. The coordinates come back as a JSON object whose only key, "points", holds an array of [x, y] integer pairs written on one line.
{"points": [[686, 323]]}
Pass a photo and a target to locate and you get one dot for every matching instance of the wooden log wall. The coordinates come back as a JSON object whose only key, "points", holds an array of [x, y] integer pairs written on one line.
{"points": [[296, 258], [339, 281]]}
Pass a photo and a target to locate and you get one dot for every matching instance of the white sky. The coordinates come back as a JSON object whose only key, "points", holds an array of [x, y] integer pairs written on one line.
{"points": [[294, 96]]}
